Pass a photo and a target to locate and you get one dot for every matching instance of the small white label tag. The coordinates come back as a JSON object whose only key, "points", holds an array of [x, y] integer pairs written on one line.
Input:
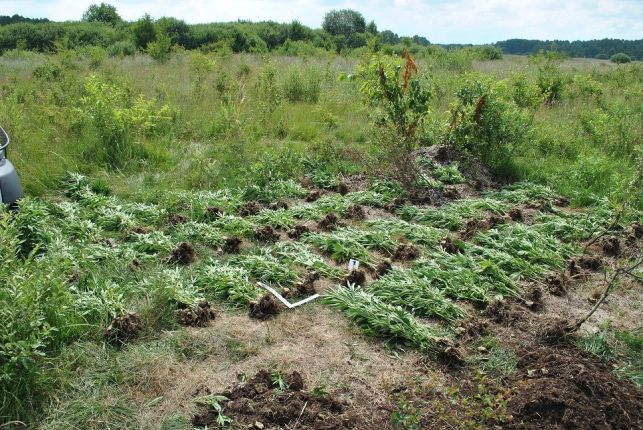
{"points": [[353, 265]]}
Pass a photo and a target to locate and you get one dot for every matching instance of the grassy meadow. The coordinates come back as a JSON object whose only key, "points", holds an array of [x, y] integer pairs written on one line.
{"points": [[126, 159]]}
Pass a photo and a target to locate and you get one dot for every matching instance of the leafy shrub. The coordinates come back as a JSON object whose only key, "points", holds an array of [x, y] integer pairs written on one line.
{"points": [[302, 85], [160, 48], [620, 58], [121, 49], [144, 32], [117, 119], [550, 78], [526, 94], [485, 123]]}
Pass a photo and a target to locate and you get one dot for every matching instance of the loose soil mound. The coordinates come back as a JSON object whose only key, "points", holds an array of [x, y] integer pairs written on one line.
{"points": [[355, 212], [177, 219], [406, 252], [259, 404], [584, 262], [213, 213], [313, 196], [250, 208], [357, 277], [183, 254], [569, 389], [195, 316], [123, 328], [266, 234], [449, 246], [231, 245], [298, 231], [277, 205], [557, 283], [267, 307], [382, 268], [329, 223]]}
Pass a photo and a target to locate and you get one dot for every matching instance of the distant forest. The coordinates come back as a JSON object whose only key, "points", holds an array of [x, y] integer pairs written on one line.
{"points": [[341, 31]]}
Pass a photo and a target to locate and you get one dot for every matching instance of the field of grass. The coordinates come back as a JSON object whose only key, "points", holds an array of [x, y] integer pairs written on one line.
{"points": [[139, 173]]}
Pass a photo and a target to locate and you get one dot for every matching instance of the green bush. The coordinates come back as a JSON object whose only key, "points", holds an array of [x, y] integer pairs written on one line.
{"points": [[485, 123], [620, 58], [302, 84], [121, 49], [160, 48]]}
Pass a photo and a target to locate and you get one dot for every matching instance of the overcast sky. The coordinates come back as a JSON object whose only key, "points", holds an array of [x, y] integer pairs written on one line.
{"points": [[441, 21]]}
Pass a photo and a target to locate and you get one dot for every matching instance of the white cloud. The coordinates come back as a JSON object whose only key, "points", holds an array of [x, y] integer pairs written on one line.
{"points": [[440, 21]]}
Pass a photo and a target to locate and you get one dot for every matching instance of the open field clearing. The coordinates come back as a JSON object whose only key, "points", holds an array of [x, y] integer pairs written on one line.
{"points": [[266, 226]]}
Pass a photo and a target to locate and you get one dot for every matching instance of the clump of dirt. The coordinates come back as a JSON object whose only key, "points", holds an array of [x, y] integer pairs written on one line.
{"points": [[556, 283], [568, 388], [494, 220], [516, 215], [561, 201], [472, 329], [533, 297], [140, 230], [382, 268], [124, 328], [250, 208], [195, 316], [450, 352], [342, 188], [584, 262], [277, 205], [329, 223], [471, 227], [555, 330], [427, 196], [177, 219], [266, 234], [213, 213], [298, 231], [303, 288], [355, 212], [313, 196], [357, 277], [502, 311], [611, 246], [636, 229], [451, 193], [267, 307], [259, 403], [183, 254], [231, 245], [395, 204], [449, 246], [406, 252]]}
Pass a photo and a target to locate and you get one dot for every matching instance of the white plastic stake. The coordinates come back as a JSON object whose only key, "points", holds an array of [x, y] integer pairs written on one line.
{"points": [[283, 300]]}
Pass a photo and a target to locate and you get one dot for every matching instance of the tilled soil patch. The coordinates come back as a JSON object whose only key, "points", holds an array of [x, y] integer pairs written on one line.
{"points": [[259, 403], [566, 388]]}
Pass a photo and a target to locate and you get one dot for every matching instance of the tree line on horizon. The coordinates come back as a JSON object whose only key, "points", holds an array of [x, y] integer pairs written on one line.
{"points": [[341, 31]]}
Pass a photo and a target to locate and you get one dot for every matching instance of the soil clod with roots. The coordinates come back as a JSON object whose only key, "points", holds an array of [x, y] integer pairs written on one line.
{"points": [[231, 245], [197, 315], [382, 268], [177, 219], [516, 215], [261, 403], [329, 223], [450, 246], [355, 277], [355, 212], [266, 234], [313, 196], [406, 252], [584, 262], [213, 213], [566, 388], [250, 208], [277, 205], [611, 246], [124, 328], [298, 231], [183, 254], [557, 283], [342, 188], [267, 307]]}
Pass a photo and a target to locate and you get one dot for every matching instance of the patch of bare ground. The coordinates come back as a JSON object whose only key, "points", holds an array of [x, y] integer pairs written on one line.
{"points": [[357, 372]]}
